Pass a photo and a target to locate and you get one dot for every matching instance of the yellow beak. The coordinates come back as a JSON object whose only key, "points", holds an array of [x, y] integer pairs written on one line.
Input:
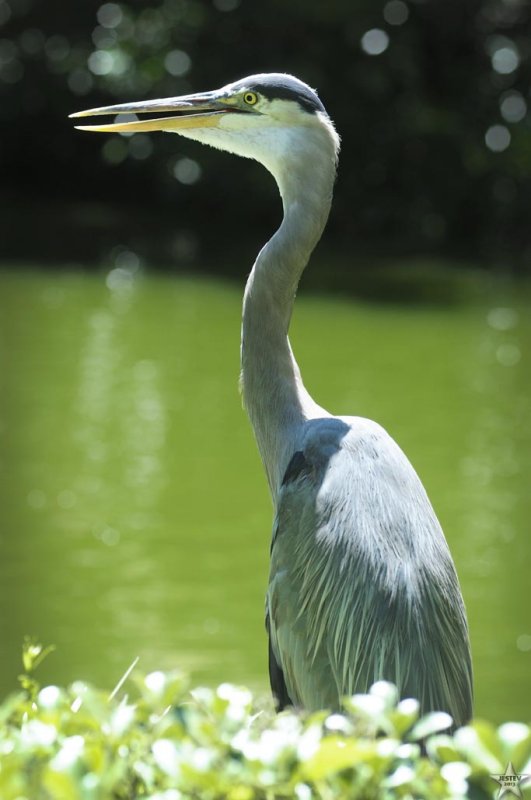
{"points": [[211, 105]]}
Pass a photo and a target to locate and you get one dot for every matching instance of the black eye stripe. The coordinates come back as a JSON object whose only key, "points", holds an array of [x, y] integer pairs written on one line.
{"points": [[279, 86], [305, 98]]}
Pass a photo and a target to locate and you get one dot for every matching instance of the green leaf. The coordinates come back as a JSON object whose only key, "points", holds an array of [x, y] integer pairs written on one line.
{"points": [[442, 748], [478, 743], [34, 653], [515, 738], [430, 724], [334, 754]]}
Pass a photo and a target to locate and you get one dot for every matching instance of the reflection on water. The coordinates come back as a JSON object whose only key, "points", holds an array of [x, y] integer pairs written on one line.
{"points": [[135, 517], [495, 471]]}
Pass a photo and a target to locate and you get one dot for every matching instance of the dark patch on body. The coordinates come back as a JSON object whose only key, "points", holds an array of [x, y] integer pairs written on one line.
{"points": [[296, 468], [276, 676]]}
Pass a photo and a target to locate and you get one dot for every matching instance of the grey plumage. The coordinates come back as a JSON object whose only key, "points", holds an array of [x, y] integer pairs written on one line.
{"points": [[372, 592]]}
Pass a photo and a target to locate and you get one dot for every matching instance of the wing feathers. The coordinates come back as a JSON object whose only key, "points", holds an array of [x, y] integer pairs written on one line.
{"points": [[362, 584]]}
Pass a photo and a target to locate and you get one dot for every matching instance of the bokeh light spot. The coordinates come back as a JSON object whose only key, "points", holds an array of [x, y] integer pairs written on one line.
{"points": [[110, 536], [109, 62], [513, 106], [498, 138], [36, 499], [66, 499], [505, 60], [523, 642], [140, 146], [119, 280], [127, 259], [177, 63], [114, 151], [374, 42], [100, 62], [508, 355], [395, 12], [110, 15], [57, 48], [122, 62], [103, 38], [503, 53], [187, 171], [502, 319]]}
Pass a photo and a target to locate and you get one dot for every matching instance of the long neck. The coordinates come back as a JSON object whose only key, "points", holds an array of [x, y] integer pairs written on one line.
{"points": [[273, 392]]}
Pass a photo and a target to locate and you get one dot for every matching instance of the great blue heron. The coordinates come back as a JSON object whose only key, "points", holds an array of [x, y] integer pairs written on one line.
{"points": [[362, 585]]}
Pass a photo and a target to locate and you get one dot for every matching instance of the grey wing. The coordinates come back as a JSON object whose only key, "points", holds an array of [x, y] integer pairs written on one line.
{"points": [[362, 585], [288, 639]]}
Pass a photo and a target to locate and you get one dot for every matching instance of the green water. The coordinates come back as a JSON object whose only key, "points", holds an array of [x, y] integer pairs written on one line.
{"points": [[134, 515]]}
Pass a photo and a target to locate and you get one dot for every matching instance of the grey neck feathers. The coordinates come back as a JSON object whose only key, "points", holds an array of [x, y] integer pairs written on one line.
{"points": [[273, 392]]}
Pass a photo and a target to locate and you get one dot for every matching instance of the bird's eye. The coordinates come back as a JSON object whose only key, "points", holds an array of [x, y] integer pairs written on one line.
{"points": [[250, 98]]}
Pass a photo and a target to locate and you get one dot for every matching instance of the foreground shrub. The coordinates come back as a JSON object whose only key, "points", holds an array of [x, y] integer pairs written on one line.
{"points": [[163, 741]]}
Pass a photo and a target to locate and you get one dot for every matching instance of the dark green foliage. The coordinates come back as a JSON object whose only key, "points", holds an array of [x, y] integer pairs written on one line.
{"points": [[419, 171], [165, 742]]}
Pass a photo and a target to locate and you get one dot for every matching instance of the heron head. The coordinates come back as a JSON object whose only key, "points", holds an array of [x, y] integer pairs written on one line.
{"points": [[270, 117]]}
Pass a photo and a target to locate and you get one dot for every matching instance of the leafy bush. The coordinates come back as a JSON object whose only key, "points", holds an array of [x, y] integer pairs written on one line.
{"points": [[166, 742]]}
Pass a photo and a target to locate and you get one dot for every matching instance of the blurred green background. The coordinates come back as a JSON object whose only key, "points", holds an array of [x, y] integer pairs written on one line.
{"points": [[134, 515]]}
